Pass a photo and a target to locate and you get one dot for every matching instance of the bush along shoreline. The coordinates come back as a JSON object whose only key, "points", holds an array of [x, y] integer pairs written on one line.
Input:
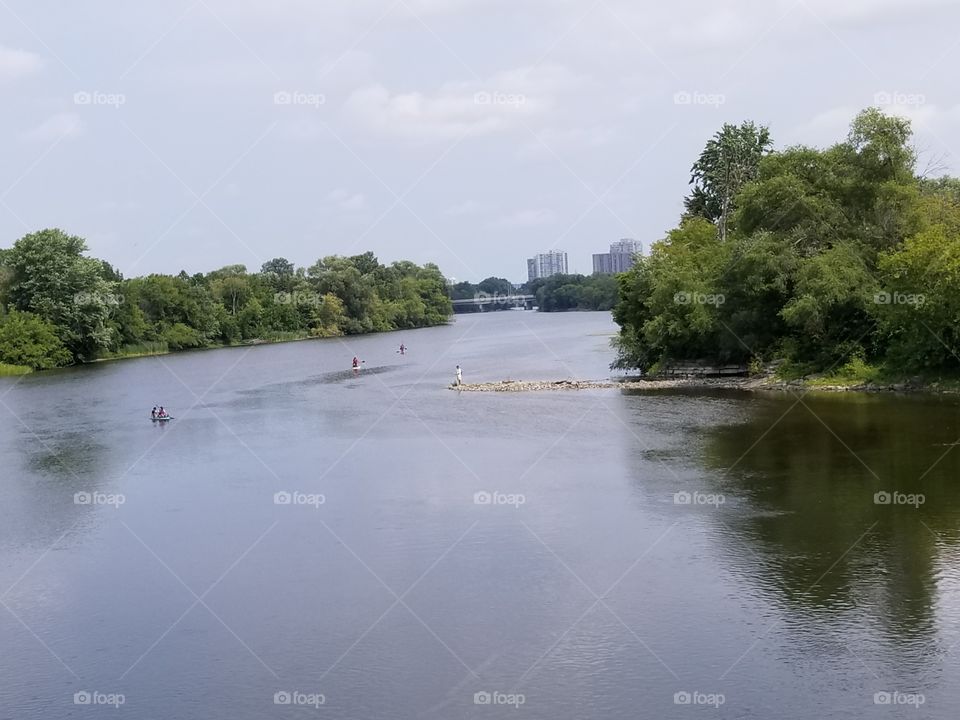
{"points": [[841, 263], [59, 307]]}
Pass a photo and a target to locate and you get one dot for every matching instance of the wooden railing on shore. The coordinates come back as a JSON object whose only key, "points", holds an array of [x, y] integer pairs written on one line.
{"points": [[696, 370]]}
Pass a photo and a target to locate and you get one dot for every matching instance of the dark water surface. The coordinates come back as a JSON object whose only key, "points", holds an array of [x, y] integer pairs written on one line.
{"points": [[636, 552]]}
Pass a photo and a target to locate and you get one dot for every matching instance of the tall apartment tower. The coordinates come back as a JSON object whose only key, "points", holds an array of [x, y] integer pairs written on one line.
{"points": [[543, 265], [621, 257]]}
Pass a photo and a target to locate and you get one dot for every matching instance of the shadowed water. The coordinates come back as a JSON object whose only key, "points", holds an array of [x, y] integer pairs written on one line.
{"points": [[583, 554]]}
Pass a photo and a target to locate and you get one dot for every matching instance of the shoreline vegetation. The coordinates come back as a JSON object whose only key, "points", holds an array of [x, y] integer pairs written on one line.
{"points": [[841, 262], [59, 307]]}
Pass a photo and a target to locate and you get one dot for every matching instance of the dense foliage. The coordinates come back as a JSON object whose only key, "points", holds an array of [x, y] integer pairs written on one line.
{"points": [[574, 292], [492, 287], [59, 306], [826, 258]]}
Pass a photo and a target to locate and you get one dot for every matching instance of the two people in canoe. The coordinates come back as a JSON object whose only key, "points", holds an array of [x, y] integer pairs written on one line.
{"points": [[159, 413]]}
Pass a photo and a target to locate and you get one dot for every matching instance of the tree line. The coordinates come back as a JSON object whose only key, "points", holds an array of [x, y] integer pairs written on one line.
{"points": [[842, 259], [553, 294], [58, 306]]}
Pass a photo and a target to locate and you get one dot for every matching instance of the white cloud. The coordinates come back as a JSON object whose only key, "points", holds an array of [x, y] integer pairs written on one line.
{"points": [[345, 200], [502, 102], [553, 140], [467, 207], [528, 218], [15, 64], [871, 10], [58, 127]]}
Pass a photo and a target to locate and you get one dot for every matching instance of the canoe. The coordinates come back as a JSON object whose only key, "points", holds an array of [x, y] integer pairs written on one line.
{"points": [[162, 419]]}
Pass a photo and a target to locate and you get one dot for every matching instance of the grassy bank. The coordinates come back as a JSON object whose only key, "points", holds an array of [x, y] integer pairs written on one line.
{"points": [[861, 375], [140, 350], [11, 370]]}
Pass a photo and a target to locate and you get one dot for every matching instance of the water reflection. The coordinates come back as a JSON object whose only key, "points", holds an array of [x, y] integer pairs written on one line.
{"points": [[852, 503]]}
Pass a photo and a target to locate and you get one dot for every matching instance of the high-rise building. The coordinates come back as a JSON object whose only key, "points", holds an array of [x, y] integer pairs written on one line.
{"points": [[543, 265], [602, 264], [622, 256]]}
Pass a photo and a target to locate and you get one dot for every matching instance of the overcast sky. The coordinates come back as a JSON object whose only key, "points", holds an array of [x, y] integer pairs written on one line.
{"points": [[471, 133]]}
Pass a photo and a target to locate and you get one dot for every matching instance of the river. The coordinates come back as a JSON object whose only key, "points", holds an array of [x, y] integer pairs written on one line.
{"points": [[306, 541]]}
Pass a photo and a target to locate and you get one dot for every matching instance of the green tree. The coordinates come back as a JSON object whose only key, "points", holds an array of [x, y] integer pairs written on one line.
{"points": [[31, 341], [728, 162], [51, 277]]}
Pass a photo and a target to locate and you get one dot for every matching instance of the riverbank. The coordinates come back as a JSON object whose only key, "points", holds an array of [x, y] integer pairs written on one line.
{"points": [[279, 339], [739, 383], [14, 370]]}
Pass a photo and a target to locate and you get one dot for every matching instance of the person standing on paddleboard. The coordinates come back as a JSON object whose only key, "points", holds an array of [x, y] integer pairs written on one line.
{"points": [[459, 376]]}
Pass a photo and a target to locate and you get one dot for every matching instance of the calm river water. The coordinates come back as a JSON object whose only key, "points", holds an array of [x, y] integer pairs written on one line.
{"points": [[302, 541]]}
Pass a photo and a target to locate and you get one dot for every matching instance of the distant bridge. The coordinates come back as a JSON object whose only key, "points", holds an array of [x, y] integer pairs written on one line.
{"points": [[483, 302]]}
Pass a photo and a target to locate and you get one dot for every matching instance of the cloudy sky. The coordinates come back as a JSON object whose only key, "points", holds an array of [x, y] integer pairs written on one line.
{"points": [[192, 134]]}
